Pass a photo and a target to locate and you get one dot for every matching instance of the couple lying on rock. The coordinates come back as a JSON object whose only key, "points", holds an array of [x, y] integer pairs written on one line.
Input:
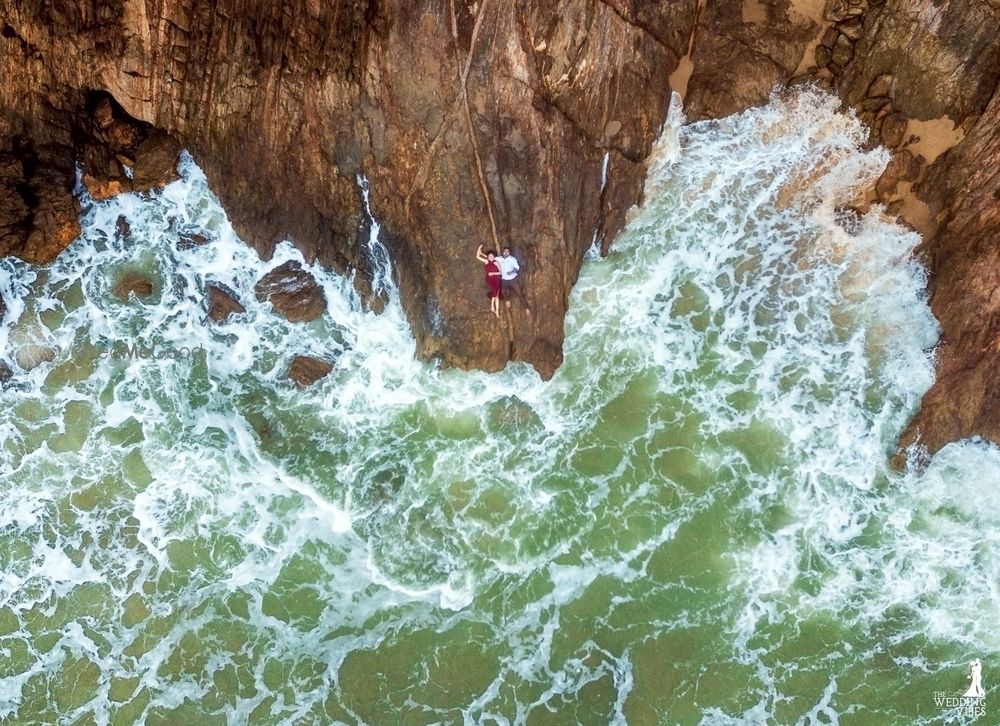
{"points": [[501, 278]]}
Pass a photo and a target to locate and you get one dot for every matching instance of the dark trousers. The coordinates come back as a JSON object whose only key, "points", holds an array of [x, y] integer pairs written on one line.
{"points": [[511, 288]]}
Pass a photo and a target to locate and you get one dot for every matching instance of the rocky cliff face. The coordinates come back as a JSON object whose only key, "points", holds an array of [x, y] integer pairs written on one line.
{"points": [[963, 189], [488, 122], [474, 122], [924, 74]]}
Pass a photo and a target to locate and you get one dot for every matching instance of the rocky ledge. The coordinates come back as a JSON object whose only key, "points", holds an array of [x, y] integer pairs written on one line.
{"points": [[489, 123]]}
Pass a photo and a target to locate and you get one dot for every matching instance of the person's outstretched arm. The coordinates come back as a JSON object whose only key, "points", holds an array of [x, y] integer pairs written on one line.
{"points": [[480, 256]]}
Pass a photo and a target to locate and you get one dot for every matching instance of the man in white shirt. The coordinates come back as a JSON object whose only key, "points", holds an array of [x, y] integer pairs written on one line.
{"points": [[510, 283]]}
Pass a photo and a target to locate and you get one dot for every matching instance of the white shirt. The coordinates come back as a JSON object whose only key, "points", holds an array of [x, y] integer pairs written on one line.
{"points": [[508, 267]]}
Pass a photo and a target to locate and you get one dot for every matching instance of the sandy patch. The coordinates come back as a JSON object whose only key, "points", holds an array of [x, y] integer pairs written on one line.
{"points": [[678, 80], [915, 212], [754, 11], [933, 139], [936, 137], [809, 10]]}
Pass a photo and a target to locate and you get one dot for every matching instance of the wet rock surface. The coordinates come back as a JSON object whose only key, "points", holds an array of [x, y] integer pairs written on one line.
{"points": [[740, 56], [131, 284], [293, 292], [222, 303], [188, 239], [306, 370]]}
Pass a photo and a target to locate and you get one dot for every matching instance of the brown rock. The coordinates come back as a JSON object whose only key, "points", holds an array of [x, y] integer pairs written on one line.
{"points": [[55, 224], [6, 373], [222, 303], [893, 130], [830, 37], [156, 161], [123, 134], [942, 53], [293, 292], [737, 63], [104, 114], [189, 239], [962, 188], [873, 104], [15, 215], [122, 227], [133, 283], [306, 370], [103, 174], [840, 10], [843, 51], [881, 85], [852, 29], [902, 167], [823, 56]]}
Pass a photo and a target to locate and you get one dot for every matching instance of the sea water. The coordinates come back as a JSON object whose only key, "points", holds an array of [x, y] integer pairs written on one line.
{"points": [[693, 522]]}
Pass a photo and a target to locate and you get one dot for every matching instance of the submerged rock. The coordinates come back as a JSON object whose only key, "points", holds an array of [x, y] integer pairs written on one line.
{"points": [[134, 283], [222, 303], [306, 370], [293, 292], [30, 356], [122, 227], [188, 240]]}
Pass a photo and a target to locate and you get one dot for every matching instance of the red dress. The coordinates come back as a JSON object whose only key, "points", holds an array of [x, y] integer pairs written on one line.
{"points": [[492, 281]]}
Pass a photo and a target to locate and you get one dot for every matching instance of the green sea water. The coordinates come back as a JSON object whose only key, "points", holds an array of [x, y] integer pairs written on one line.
{"points": [[693, 522]]}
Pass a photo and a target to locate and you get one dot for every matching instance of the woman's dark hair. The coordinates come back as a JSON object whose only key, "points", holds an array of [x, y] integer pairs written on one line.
{"points": [[491, 252]]}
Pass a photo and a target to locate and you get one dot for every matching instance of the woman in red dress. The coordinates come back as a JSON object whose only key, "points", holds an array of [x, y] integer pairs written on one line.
{"points": [[492, 278]]}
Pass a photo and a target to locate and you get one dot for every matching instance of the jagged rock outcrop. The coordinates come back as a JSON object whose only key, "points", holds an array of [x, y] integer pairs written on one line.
{"points": [[305, 370], [964, 257], [932, 60], [742, 49], [222, 303], [293, 292]]}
